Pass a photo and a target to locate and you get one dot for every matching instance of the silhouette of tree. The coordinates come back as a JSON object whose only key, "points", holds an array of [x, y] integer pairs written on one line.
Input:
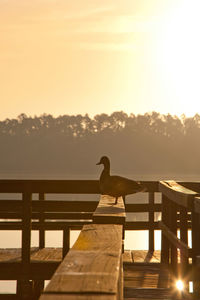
{"points": [[150, 143]]}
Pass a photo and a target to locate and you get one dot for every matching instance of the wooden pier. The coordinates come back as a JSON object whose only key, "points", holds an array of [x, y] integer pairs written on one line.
{"points": [[97, 267]]}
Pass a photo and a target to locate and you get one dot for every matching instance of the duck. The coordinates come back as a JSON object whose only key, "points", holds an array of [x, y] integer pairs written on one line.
{"points": [[116, 186]]}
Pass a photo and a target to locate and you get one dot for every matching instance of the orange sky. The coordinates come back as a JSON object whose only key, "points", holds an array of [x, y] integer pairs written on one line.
{"points": [[93, 56]]}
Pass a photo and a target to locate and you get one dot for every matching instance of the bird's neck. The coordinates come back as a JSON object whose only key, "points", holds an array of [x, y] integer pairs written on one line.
{"points": [[106, 170]]}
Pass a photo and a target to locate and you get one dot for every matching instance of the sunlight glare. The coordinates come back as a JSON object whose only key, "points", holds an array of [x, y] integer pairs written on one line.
{"points": [[180, 285], [179, 55]]}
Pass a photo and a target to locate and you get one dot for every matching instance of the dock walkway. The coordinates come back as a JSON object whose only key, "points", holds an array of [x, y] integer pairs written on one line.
{"points": [[96, 267]]}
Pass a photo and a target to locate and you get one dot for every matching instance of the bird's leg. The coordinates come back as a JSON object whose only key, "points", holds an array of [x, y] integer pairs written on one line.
{"points": [[116, 198]]}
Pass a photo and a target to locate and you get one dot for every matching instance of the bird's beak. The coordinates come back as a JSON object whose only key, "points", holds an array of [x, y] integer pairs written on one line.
{"points": [[98, 163]]}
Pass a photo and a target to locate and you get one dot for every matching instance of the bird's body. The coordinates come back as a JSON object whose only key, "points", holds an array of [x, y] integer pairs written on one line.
{"points": [[116, 186]]}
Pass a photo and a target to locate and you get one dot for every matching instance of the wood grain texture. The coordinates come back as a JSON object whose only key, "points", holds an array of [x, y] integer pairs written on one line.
{"points": [[93, 263], [77, 297], [177, 193], [107, 212], [106, 237]]}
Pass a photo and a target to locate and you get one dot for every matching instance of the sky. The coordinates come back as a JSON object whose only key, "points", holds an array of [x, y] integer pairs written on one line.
{"points": [[98, 56]]}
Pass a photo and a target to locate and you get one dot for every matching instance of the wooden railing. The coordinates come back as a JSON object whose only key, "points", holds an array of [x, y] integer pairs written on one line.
{"points": [[92, 269], [181, 210], [26, 214], [42, 214]]}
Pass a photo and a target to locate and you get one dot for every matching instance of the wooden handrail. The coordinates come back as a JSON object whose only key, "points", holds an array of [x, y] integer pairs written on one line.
{"points": [[177, 193], [93, 266]]}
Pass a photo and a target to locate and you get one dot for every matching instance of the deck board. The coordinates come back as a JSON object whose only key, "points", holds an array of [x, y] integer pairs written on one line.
{"points": [[46, 254], [141, 256]]}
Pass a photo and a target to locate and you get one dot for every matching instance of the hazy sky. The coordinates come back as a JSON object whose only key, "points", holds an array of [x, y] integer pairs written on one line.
{"points": [[93, 56]]}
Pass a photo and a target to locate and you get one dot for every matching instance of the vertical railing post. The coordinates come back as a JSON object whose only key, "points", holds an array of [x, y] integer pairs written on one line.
{"points": [[41, 222], [66, 241], [173, 228], [24, 286], [195, 251], [151, 221], [165, 241], [38, 285], [184, 238]]}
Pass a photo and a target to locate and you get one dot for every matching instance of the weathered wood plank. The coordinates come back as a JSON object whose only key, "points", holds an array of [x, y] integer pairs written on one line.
{"points": [[145, 256], [45, 254], [60, 186], [87, 271], [136, 207], [151, 221], [77, 297], [107, 212], [50, 186], [50, 206], [41, 220], [95, 237], [93, 263], [26, 231], [197, 205], [127, 256], [177, 193]]}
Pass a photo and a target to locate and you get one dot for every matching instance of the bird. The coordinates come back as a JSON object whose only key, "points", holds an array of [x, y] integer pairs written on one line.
{"points": [[114, 185]]}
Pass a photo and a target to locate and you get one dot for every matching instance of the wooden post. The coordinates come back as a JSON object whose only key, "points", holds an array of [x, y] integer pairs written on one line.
{"points": [[41, 220], [66, 241], [195, 251], [151, 221], [24, 286], [165, 220], [184, 238], [173, 228]]}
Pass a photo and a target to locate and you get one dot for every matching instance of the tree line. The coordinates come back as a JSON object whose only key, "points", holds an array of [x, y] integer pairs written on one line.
{"points": [[71, 144]]}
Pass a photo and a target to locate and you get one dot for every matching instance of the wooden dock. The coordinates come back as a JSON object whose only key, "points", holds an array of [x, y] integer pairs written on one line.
{"points": [[97, 267]]}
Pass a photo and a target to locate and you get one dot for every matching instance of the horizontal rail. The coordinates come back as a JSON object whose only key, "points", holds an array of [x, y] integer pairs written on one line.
{"points": [[60, 186]]}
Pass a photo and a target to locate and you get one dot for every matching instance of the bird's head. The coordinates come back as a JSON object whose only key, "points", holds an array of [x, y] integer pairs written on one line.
{"points": [[104, 161]]}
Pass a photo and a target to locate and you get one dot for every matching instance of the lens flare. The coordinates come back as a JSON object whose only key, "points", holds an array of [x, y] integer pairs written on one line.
{"points": [[180, 285]]}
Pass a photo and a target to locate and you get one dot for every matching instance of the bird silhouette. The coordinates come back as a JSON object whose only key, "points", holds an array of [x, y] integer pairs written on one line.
{"points": [[116, 186]]}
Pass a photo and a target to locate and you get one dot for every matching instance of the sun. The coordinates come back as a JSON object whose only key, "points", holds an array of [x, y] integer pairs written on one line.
{"points": [[179, 55]]}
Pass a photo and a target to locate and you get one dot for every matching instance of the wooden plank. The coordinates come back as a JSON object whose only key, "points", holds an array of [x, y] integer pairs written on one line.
{"points": [[127, 256], [146, 257], [50, 186], [85, 272], [50, 206], [177, 193], [77, 297], [93, 263], [173, 229], [184, 239], [41, 221], [107, 212], [140, 225], [60, 225], [164, 241], [64, 206], [145, 207], [95, 237], [197, 205], [151, 221], [60, 186], [66, 241], [26, 231]]}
